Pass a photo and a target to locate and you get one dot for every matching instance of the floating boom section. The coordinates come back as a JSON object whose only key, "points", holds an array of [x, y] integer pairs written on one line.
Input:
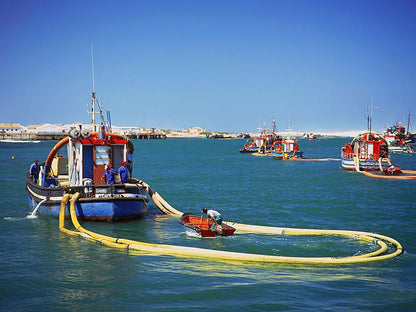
{"points": [[182, 251]]}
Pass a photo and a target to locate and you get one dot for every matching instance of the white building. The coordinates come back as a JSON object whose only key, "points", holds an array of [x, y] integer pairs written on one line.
{"points": [[10, 128]]}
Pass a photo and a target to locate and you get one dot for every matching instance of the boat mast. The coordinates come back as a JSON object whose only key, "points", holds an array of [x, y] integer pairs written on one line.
{"points": [[93, 89], [289, 127], [101, 132], [274, 126], [370, 114], [408, 123]]}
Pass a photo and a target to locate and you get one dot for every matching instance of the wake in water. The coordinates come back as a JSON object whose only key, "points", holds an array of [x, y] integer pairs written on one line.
{"points": [[20, 218], [193, 234], [196, 235], [31, 216]]}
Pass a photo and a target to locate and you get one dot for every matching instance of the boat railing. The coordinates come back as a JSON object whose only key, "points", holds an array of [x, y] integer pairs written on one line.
{"points": [[108, 190], [88, 190], [347, 155]]}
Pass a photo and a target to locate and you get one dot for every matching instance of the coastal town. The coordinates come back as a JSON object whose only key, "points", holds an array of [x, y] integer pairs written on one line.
{"points": [[16, 131]]}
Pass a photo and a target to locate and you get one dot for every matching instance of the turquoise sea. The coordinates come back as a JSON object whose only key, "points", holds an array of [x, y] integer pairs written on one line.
{"points": [[45, 270]]}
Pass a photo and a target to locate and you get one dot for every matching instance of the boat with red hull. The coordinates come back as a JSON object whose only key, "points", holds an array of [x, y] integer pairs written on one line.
{"points": [[203, 226]]}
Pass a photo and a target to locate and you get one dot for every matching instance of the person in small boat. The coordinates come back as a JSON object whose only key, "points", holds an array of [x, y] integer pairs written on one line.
{"points": [[109, 175], [214, 215], [34, 171], [123, 173]]}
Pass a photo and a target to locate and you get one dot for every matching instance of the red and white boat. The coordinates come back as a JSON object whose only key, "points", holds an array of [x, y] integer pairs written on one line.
{"points": [[367, 151], [286, 149]]}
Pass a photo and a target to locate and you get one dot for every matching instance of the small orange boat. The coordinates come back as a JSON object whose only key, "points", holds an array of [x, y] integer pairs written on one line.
{"points": [[203, 226]]}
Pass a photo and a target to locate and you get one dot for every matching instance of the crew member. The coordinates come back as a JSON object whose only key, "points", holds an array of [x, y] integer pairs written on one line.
{"points": [[109, 175], [34, 171], [123, 173], [214, 215]]}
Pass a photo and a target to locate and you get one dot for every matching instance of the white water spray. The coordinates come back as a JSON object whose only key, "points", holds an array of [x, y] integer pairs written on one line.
{"points": [[33, 214]]}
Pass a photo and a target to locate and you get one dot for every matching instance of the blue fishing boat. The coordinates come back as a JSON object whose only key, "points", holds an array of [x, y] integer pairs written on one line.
{"points": [[251, 146], [82, 170], [91, 155]]}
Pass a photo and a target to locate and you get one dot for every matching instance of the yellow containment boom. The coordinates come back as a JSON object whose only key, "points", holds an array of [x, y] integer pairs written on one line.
{"points": [[183, 251], [407, 175]]}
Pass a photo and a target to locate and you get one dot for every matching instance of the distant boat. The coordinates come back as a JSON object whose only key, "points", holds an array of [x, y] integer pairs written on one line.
{"points": [[220, 136], [398, 140], [243, 136], [270, 143], [286, 149], [310, 136], [267, 139], [18, 141], [261, 144], [367, 151], [250, 146]]}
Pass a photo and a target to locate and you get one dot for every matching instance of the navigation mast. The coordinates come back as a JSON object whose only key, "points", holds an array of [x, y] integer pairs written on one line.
{"points": [[102, 126], [93, 90]]}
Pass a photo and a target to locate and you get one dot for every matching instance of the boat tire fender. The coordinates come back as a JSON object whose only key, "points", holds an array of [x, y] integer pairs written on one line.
{"points": [[85, 133], [75, 134]]}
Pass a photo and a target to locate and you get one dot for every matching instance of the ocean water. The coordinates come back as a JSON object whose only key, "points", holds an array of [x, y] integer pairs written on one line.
{"points": [[43, 269]]}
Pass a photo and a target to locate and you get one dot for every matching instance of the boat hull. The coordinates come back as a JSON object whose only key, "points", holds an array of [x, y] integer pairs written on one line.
{"points": [[113, 203], [248, 150], [364, 165], [406, 149], [297, 154], [95, 210]]}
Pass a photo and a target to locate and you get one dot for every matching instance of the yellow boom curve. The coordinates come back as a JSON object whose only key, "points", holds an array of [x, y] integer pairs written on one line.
{"points": [[183, 251]]}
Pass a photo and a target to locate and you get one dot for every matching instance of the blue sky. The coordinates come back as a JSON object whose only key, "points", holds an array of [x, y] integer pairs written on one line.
{"points": [[223, 65]]}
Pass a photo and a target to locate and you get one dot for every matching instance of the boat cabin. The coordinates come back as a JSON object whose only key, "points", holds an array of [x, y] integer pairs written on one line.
{"points": [[89, 155], [369, 147]]}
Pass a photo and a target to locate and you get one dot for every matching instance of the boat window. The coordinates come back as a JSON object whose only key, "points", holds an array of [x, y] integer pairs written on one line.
{"points": [[117, 155], [101, 155]]}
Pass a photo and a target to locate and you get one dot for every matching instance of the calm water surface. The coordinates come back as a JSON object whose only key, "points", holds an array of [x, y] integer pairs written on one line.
{"points": [[45, 270]]}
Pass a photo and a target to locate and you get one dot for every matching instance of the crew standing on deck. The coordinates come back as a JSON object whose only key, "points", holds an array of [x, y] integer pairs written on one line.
{"points": [[34, 171], [123, 173], [109, 175]]}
